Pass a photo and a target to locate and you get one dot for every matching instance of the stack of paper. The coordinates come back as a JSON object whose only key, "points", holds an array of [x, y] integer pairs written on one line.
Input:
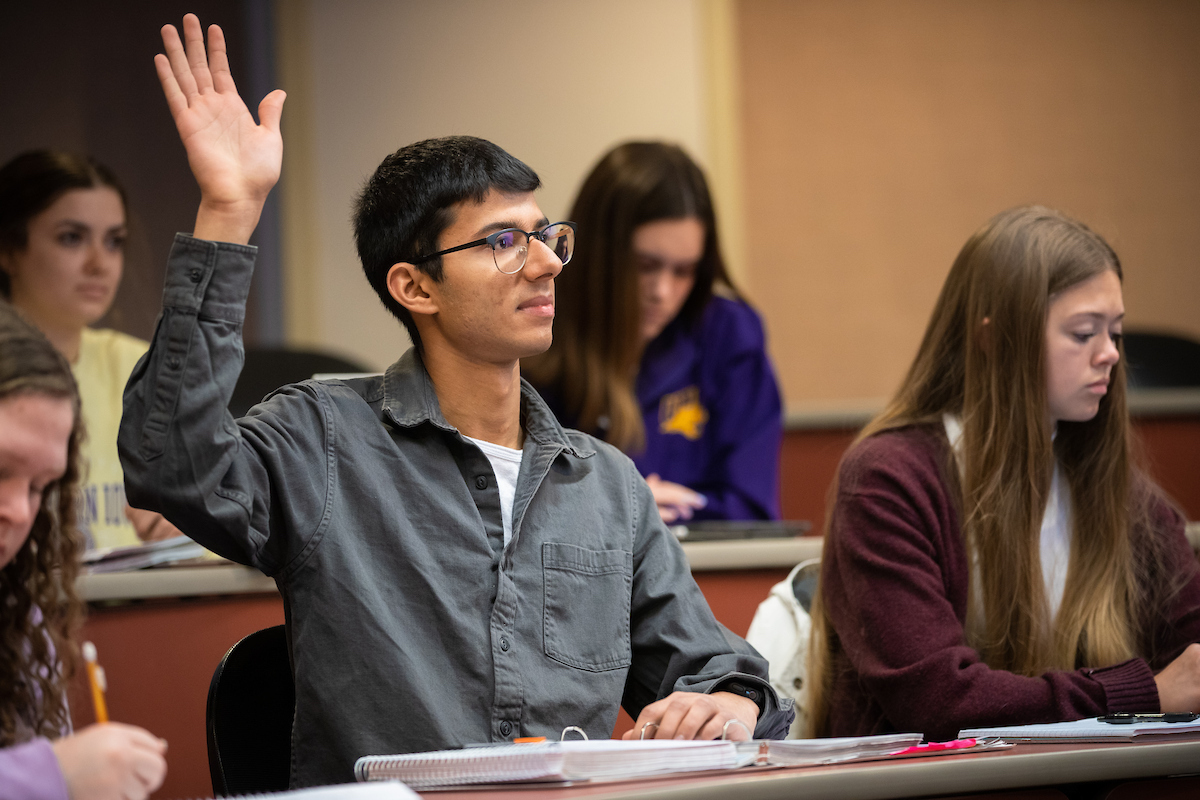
{"points": [[554, 761], [1087, 730], [344, 791], [810, 752], [139, 556]]}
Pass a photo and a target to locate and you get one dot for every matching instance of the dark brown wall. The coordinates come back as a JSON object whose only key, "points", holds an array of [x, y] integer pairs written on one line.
{"points": [[80, 76]]}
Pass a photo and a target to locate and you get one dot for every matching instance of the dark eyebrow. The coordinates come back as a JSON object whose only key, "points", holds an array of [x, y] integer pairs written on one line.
{"points": [[500, 225], [74, 223]]}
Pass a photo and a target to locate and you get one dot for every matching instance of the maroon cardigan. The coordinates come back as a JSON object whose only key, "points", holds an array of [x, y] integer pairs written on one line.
{"points": [[894, 580]]}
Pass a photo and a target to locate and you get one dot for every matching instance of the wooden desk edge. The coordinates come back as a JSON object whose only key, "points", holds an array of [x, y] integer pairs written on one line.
{"points": [[234, 579], [1028, 767]]}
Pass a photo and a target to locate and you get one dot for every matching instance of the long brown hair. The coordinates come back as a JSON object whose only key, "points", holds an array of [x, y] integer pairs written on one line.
{"points": [[41, 610], [993, 377], [593, 362]]}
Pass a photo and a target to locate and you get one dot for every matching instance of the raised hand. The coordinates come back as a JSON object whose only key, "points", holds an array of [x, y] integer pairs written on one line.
{"points": [[235, 161]]}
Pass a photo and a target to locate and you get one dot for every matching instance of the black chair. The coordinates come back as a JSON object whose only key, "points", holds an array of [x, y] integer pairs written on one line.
{"points": [[1160, 360], [268, 368], [251, 705]]}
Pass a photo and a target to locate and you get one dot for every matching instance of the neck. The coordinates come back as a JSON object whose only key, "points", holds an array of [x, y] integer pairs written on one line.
{"points": [[482, 400], [65, 338]]}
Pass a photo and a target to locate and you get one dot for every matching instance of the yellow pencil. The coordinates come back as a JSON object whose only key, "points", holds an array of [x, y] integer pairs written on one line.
{"points": [[95, 674]]}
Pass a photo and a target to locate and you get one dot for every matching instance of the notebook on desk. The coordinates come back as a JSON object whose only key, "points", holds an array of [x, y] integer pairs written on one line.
{"points": [[1088, 730], [552, 761]]}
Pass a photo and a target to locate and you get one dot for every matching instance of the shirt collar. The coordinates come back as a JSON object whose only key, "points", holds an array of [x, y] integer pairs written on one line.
{"points": [[409, 400]]}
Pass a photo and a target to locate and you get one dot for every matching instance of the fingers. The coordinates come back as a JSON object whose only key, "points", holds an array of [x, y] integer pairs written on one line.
{"points": [[692, 715], [180, 71], [218, 60], [271, 109], [176, 102], [680, 715], [197, 60], [675, 501]]}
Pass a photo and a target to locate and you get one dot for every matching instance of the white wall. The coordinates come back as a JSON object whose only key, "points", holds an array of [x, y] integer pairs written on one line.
{"points": [[554, 83]]}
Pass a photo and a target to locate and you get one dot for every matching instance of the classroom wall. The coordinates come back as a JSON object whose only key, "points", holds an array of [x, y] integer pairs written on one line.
{"points": [[878, 135], [554, 84]]}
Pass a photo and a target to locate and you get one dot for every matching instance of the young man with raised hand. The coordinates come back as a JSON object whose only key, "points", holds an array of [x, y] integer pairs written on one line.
{"points": [[455, 566]]}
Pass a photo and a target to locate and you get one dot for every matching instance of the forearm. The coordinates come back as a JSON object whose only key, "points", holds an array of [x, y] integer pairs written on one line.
{"points": [[177, 440]]}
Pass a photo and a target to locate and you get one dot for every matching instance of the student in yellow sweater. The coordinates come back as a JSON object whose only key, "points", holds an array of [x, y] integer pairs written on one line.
{"points": [[62, 245]]}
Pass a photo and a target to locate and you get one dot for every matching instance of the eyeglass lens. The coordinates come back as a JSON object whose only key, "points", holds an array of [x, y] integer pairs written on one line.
{"points": [[511, 248]]}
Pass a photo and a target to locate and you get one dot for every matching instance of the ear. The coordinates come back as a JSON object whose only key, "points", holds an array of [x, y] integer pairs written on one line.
{"points": [[985, 335], [413, 289]]}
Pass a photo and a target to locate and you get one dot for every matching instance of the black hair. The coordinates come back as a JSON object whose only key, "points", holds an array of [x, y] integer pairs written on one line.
{"points": [[32, 182], [409, 200]]}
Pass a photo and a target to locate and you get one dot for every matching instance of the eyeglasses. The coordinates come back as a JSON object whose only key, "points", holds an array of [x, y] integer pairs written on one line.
{"points": [[510, 247]]}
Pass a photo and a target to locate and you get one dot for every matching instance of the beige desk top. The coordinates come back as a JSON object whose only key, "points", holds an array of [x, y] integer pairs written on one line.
{"points": [[1025, 766], [223, 579], [227, 579]]}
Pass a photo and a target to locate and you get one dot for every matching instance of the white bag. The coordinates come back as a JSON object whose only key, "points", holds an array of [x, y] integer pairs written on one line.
{"points": [[780, 632]]}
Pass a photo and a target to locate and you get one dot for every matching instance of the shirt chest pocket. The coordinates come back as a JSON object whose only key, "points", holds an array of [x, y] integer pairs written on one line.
{"points": [[585, 606]]}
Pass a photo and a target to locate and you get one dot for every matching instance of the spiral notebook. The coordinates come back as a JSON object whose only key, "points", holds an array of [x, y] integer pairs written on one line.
{"points": [[553, 761], [1088, 730]]}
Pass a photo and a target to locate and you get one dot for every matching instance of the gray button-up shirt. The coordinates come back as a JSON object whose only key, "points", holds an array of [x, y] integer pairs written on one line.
{"points": [[412, 627]]}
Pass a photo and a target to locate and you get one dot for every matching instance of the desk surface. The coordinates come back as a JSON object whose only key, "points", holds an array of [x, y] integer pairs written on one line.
{"points": [[1024, 766], [743, 554], [227, 579]]}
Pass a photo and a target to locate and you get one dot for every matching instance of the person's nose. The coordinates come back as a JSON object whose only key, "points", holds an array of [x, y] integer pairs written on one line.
{"points": [[541, 261], [17, 508], [1109, 355]]}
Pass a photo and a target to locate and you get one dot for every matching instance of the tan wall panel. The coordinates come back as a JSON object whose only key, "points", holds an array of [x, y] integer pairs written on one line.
{"points": [[878, 135], [555, 84]]}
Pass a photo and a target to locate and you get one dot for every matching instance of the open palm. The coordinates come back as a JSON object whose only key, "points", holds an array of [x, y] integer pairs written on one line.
{"points": [[235, 161]]}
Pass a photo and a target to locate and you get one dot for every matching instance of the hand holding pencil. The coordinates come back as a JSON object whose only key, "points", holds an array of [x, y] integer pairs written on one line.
{"points": [[109, 760]]}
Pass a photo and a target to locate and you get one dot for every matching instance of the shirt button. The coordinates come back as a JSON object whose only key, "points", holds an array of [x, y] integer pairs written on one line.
{"points": [[195, 275], [504, 643], [505, 728], [481, 482], [173, 362]]}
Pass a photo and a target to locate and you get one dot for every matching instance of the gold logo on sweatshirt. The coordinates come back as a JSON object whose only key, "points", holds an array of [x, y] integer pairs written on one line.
{"points": [[680, 412]]}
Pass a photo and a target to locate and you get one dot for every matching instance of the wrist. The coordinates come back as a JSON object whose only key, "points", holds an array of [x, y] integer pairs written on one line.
{"points": [[746, 690], [232, 222]]}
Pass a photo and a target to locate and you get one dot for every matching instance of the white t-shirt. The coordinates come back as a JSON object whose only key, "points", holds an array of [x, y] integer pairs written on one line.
{"points": [[506, 463], [1055, 550]]}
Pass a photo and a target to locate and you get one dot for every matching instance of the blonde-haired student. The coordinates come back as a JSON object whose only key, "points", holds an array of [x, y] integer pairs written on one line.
{"points": [[994, 555]]}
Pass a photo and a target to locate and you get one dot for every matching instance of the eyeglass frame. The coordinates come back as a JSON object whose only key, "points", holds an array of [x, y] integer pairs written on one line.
{"points": [[491, 238]]}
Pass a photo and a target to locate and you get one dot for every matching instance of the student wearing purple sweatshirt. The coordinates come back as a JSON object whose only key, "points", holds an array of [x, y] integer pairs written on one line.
{"points": [[40, 435], [654, 351], [995, 555]]}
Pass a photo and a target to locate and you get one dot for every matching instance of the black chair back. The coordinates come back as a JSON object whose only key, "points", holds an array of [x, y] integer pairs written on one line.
{"points": [[251, 705], [1161, 361], [267, 368]]}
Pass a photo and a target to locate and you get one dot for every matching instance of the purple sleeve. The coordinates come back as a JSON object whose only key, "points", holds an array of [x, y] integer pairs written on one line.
{"points": [[746, 427], [30, 772], [895, 582]]}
